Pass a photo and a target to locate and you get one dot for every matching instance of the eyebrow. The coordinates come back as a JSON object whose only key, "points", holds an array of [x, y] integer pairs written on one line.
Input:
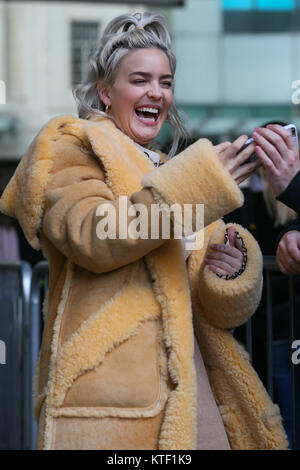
{"points": [[145, 74]]}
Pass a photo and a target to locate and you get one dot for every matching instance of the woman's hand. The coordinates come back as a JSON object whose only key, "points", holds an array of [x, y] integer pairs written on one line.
{"points": [[234, 163], [228, 258], [279, 155], [288, 253]]}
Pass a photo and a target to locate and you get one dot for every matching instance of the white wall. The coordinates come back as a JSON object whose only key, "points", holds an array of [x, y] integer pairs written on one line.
{"points": [[2, 41], [258, 69], [38, 50], [212, 68], [233, 68]]}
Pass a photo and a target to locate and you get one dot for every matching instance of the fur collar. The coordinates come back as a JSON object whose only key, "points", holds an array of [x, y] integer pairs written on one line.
{"points": [[23, 197]]}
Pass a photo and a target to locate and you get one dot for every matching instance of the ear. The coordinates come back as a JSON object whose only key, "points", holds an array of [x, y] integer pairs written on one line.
{"points": [[104, 93]]}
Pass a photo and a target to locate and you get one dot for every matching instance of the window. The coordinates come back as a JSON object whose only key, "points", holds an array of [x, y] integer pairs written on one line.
{"points": [[259, 4], [84, 37], [237, 4], [261, 15]]}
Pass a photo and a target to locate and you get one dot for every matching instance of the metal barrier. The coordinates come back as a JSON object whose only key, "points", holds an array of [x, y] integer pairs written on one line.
{"points": [[30, 325], [270, 267], [14, 376], [39, 286]]}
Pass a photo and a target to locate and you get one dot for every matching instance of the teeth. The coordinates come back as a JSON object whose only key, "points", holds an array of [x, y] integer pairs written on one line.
{"points": [[149, 110]]}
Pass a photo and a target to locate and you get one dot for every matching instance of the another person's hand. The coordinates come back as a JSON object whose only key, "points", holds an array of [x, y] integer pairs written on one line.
{"points": [[225, 259], [288, 253], [234, 163], [277, 151]]}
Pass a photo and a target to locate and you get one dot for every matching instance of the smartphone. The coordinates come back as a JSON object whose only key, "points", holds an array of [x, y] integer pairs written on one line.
{"points": [[291, 127]]}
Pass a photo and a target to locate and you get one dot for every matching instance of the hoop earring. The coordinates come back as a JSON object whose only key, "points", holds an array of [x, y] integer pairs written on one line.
{"points": [[106, 108]]}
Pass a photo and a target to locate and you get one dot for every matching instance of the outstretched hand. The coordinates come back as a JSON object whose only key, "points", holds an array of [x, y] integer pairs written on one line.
{"points": [[235, 164], [279, 155], [226, 259]]}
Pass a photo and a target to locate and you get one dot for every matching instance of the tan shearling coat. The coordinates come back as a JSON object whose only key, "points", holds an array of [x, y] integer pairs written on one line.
{"points": [[116, 368]]}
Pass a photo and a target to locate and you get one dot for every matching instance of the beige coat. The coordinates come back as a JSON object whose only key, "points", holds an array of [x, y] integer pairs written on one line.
{"points": [[116, 367]]}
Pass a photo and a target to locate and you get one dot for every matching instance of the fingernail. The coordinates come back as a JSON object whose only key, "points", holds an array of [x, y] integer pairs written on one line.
{"points": [[255, 135]]}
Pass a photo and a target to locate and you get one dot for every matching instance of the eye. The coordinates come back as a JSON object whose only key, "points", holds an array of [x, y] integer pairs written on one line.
{"points": [[139, 81], [167, 84]]}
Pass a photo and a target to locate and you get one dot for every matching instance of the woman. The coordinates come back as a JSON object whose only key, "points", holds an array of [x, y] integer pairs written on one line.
{"points": [[117, 364]]}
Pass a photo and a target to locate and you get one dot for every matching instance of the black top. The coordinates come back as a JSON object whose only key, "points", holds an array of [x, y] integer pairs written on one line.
{"points": [[291, 195], [294, 225]]}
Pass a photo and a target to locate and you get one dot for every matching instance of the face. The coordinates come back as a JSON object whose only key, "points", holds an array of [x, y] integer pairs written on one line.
{"points": [[140, 98]]}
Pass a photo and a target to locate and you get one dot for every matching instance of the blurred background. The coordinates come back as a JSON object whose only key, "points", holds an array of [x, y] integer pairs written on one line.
{"points": [[238, 66], [237, 60]]}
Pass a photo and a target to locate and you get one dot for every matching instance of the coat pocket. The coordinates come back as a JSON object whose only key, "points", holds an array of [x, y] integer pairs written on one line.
{"points": [[111, 365], [129, 376]]}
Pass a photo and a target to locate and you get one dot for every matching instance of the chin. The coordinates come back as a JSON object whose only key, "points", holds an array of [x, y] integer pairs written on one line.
{"points": [[145, 139], [145, 142]]}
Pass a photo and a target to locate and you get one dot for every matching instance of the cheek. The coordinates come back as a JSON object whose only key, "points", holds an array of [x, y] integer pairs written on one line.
{"points": [[129, 101], [169, 100]]}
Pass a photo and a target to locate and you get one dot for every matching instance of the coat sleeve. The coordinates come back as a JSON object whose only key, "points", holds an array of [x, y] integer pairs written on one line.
{"points": [[229, 303], [76, 192], [78, 204]]}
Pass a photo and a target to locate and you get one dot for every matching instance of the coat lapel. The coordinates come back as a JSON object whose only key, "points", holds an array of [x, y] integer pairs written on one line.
{"points": [[124, 163]]}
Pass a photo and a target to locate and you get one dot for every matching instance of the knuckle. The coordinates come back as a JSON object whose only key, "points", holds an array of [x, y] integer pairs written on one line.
{"points": [[277, 139], [281, 244]]}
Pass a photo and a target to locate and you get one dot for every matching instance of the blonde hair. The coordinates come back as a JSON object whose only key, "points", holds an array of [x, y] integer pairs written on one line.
{"points": [[123, 34]]}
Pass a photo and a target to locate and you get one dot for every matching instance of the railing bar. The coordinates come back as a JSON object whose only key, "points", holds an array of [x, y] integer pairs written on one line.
{"points": [[292, 367], [269, 332], [40, 271], [25, 272], [10, 264]]}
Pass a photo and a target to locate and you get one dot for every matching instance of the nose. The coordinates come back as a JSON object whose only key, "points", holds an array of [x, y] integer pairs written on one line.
{"points": [[155, 91]]}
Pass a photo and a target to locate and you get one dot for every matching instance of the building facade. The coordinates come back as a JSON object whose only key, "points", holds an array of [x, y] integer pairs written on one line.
{"points": [[237, 63]]}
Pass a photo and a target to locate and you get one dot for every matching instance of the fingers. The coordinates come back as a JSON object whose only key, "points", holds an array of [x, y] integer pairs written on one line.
{"points": [[221, 147], [223, 261], [239, 142], [271, 143], [244, 171], [245, 154], [265, 160], [284, 133], [231, 235], [232, 149], [280, 265], [217, 270], [232, 158], [288, 253], [286, 264], [225, 257]]}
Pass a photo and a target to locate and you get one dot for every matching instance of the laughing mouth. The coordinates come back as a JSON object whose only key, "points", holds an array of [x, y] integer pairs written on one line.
{"points": [[148, 113]]}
